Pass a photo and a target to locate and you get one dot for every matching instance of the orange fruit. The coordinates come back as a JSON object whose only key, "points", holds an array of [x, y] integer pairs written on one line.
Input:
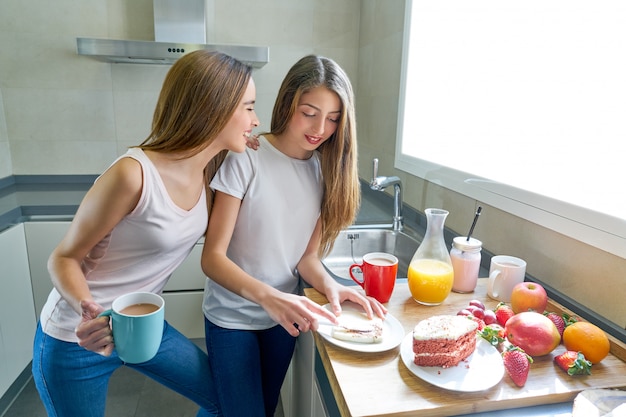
{"points": [[587, 338]]}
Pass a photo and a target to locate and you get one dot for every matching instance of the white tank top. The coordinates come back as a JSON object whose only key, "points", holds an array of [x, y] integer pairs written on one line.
{"points": [[139, 254]]}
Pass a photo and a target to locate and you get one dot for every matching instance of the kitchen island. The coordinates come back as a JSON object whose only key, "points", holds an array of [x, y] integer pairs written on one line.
{"points": [[379, 384]]}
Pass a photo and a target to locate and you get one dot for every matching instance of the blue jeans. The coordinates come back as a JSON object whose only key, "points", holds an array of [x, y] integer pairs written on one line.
{"points": [[250, 366], [73, 381]]}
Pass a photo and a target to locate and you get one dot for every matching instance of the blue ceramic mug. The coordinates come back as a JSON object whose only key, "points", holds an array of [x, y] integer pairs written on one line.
{"points": [[137, 323]]}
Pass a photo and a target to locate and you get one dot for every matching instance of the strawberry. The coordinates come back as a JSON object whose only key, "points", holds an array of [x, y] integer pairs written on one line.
{"points": [[574, 363], [558, 321], [562, 321], [517, 364], [569, 319], [503, 313], [494, 334]]}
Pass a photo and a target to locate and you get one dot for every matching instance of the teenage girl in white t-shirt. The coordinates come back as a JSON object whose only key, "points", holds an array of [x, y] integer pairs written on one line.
{"points": [[276, 212]]}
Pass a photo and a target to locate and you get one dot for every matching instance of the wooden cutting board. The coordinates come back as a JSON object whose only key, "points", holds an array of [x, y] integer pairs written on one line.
{"points": [[379, 384]]}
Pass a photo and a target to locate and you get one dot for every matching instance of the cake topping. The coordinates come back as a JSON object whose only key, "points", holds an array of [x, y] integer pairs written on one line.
{"points": [[443, 327]]}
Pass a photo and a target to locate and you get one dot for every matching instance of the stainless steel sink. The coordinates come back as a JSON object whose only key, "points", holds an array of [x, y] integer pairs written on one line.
{"points": [[353, 243]]}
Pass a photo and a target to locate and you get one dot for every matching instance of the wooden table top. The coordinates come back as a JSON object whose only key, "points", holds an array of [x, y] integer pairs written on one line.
{"points": [[379, 384]]}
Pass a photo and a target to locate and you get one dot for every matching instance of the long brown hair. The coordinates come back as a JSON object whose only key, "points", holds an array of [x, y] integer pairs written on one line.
{"points": [[342, 191], [199, 96]]}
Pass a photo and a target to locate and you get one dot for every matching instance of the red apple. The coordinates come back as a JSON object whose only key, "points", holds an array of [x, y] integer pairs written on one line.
{"points": [[532, 332], [528, 296]]}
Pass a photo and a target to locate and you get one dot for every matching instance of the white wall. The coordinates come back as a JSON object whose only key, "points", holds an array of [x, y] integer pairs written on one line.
{"points": [[68, 114]]}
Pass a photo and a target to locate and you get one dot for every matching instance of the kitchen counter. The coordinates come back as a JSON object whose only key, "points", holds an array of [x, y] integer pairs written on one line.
{"points": [[379, 384], [33, 198]]}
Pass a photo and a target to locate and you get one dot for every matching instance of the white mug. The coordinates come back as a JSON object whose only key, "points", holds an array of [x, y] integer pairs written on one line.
{"points": [[505, 273]]}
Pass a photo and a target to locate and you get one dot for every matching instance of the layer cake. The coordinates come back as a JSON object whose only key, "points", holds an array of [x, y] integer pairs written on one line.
{"points": [[444, 340]]}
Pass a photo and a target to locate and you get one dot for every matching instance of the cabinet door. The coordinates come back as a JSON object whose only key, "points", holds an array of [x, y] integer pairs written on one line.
{"points": [[303, 384], [41, 239], [188, 276], [17, 310], [183, 310], [5, 381]]}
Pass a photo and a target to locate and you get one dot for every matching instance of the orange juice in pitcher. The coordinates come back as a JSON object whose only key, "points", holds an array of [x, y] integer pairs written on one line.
{"points": [[430, 275], [430, 281]]}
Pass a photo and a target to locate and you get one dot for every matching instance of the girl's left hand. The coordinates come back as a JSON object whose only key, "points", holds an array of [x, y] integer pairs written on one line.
{"points": [[337, 294], [253, 142]]}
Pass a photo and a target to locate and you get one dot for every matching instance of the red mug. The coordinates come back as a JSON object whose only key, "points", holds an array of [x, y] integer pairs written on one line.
{"points": [[379, 275]]}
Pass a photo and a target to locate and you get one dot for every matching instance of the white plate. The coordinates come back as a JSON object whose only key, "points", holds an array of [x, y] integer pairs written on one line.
{"points": [[481, 370], [393, 332]]}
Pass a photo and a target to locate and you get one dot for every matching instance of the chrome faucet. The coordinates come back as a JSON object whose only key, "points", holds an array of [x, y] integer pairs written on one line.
{"points": [[380, 183]]}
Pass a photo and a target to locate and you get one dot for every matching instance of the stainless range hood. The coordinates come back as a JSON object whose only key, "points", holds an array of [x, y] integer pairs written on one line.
{"points": [[179, 28]]}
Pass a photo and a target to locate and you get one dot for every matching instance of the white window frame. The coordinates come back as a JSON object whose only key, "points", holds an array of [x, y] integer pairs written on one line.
{"points": [[600, 230]]}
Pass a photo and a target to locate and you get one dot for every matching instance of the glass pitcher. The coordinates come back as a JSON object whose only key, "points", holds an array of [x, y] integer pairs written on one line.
{"points": [[430, 274]]}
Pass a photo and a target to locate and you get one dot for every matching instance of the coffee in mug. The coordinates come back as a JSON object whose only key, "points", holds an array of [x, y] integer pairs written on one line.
{"points": [[381, 261], [137, 322], [505, 273], [140, 309], [379, 275]]}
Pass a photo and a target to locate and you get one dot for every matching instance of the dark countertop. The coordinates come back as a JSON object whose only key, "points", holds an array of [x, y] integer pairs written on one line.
{"points": [[28, 197], [31, 197]]}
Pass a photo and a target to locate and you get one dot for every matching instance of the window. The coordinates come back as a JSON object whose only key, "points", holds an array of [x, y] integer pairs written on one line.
{"points": [[521, 105]]}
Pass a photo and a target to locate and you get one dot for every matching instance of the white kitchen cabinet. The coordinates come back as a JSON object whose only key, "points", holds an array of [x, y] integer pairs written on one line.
{"points": [[17, 310], [317, 404], [188, 276], [300, 392], [41, 239], [286, 392], [5, 383], [183, 310], [183, 296]]}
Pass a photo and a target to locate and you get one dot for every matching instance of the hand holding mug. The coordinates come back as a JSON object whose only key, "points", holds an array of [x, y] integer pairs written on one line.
{"points": [[137, 322], [94, 332], [379, 275]]}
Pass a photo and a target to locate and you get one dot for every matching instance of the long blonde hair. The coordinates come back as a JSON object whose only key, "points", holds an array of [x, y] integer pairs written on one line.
{"points": [[199, 96], [342, 191]]}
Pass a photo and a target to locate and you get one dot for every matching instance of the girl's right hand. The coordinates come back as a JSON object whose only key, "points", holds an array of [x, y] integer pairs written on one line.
{"points": [[93, 332], [296, 313]]}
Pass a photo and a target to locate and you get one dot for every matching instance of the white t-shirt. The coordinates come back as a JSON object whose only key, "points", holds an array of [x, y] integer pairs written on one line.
{"points": [[281, 200], [139, 254]]}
